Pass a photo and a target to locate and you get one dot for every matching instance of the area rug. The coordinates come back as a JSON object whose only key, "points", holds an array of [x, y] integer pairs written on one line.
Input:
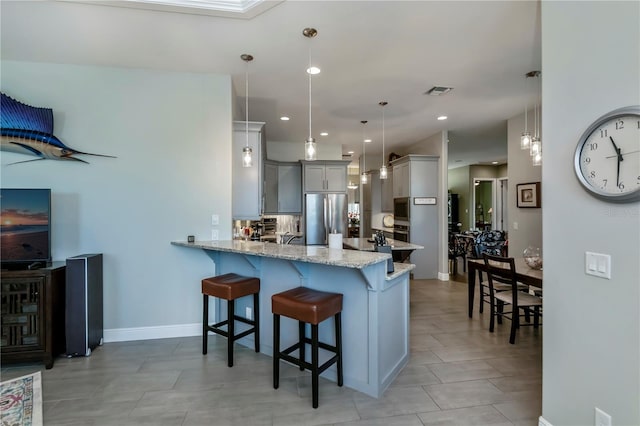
{"points": [[21, 401]]}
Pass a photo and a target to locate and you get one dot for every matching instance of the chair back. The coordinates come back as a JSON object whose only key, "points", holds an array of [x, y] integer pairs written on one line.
{"points": [[492, 242], [501, 270]]}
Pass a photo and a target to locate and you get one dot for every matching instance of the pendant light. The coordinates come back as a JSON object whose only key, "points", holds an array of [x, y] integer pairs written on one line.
{"points": [[247, 152], [536, 143], [525, 139], [310, 151], [364, 178], [383, 168]]}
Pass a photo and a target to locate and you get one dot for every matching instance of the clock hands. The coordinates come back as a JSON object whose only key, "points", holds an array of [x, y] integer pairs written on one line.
{"points": [[620, 159], [626, 153]]}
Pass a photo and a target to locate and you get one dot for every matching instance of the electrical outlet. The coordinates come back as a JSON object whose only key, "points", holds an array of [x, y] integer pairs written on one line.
{"points": [[602, 418], [215, 219], [247, 313], [214, 235]]}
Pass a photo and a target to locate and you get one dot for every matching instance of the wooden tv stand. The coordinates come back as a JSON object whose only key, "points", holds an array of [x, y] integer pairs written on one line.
{"points": [[33, 314]]}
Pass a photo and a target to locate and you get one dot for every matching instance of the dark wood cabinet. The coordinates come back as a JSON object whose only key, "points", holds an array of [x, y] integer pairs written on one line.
{"points": [[33, 314]]}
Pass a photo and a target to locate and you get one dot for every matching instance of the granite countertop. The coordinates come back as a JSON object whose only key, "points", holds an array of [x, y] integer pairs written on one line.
{"points": [[312, 254], [382, 228], [399, 269], [364, 245]]}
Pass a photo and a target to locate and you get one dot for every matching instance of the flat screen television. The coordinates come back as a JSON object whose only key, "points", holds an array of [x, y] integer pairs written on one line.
{"points": [[25, 228]]}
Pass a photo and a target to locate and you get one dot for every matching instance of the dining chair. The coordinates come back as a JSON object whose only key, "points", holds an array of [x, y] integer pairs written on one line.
{"points": [[502, 271], [494, 243]]}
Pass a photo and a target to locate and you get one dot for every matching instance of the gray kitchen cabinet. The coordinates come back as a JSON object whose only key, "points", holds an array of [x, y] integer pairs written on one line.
{"points": [[417, 176], [401, 180], [386, 193], [325, 176], [270, 187], [247, 182], [283, 188]]}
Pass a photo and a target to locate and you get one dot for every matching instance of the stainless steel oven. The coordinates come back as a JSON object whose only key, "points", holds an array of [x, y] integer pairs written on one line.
{"points": [[402, 209], [401, 233]]}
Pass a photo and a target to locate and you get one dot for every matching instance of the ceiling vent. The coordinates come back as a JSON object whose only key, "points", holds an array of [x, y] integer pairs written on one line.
{"points": [[346, 156], [438, 91]]}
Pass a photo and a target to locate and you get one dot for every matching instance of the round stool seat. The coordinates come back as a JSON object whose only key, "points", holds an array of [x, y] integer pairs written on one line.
{"points": [[307, 305], [230, 286]]}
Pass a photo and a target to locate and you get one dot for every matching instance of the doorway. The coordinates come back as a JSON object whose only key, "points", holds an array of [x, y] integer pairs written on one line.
{"points": [[502, 207], [483, 215]]}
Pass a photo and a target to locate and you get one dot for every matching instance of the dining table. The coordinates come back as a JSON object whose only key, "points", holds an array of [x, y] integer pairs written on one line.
{"points": [[524, 275]]}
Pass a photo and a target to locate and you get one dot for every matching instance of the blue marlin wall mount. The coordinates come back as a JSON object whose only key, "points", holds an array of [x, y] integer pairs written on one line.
{"points": [[25, 129]]}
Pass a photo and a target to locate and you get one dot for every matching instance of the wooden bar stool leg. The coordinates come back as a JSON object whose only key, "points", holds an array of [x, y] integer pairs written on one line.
{"points": [[230, 330], [276, 351], [256, 320], [301, 350], [314, 364], [205, 322], [338, 323]]}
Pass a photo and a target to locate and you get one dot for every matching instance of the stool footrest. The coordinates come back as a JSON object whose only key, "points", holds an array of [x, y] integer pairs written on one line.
{"points": [[285, 355]]}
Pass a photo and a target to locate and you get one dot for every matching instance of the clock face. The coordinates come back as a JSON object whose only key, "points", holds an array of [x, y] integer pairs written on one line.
{"points": [[607, 159]]}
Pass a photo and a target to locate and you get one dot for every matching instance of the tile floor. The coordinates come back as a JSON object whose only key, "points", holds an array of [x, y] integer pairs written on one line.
{"points": [[459, 374]]}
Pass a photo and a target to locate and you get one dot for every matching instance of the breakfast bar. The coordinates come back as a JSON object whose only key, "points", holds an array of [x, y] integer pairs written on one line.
{"points": [[375, 316]]}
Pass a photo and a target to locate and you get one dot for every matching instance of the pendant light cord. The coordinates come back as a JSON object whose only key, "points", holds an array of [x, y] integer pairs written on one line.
{"points": [[246, 100], [308, 71]]}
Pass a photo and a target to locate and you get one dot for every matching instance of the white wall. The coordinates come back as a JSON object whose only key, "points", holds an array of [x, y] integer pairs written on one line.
{"points": [[591, 346], [171, 134], [521, 170]]}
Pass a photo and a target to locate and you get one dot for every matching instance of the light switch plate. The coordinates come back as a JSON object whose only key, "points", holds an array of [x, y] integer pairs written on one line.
{"points": [[597, 264], [215, 219], [214, 235]]}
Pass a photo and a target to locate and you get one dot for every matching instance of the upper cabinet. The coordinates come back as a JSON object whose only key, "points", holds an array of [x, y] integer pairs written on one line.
{"points": [[247, 181], [325, 176], [402, 179], [283, 188]]}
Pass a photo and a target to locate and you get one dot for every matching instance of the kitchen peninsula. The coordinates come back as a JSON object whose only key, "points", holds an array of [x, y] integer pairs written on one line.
{"points": [[375, 315]]}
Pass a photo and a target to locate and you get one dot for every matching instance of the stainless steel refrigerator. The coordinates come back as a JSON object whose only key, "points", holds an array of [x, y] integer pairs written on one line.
{"points": [[324, 214]]}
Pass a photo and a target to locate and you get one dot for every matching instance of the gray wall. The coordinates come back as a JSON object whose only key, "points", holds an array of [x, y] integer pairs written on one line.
{"points": [[591, 347], [171, 133], [521, 170]]}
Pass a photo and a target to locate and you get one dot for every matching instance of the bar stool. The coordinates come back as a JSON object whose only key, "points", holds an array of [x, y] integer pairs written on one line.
{"points": [[312, 307], [230, 287]]}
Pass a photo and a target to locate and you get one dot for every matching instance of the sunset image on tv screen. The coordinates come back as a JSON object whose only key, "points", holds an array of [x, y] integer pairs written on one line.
{"points": [[24, 224]]}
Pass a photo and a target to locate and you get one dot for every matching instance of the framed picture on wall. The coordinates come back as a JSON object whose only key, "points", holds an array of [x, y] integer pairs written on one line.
{"points": [[528, 194]]}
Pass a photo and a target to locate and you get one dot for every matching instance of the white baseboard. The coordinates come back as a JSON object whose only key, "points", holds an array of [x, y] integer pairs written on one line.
{"points": [[147, 333], [543, 422], [443, 277]]}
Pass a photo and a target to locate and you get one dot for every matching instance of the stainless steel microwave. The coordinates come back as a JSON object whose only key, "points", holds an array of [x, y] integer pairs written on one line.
{"points": [[402, 208]]}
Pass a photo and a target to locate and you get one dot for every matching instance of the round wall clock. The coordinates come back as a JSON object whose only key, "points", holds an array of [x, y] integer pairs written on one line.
{"points": [[607, 158]]}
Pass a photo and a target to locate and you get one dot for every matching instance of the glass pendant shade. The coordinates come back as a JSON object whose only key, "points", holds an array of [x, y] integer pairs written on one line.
{"points": [[247, 157], [525, 140], [383, 172], [536, 147], [537, 159], [310, 152], [364, 178]]}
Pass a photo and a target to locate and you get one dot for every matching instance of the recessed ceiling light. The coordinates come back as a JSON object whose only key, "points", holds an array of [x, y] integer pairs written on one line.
{"points": [[313, 70], [284, 118], [494, 162], [324, 134], [367, 140], [349, 152], [442, 117]]}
